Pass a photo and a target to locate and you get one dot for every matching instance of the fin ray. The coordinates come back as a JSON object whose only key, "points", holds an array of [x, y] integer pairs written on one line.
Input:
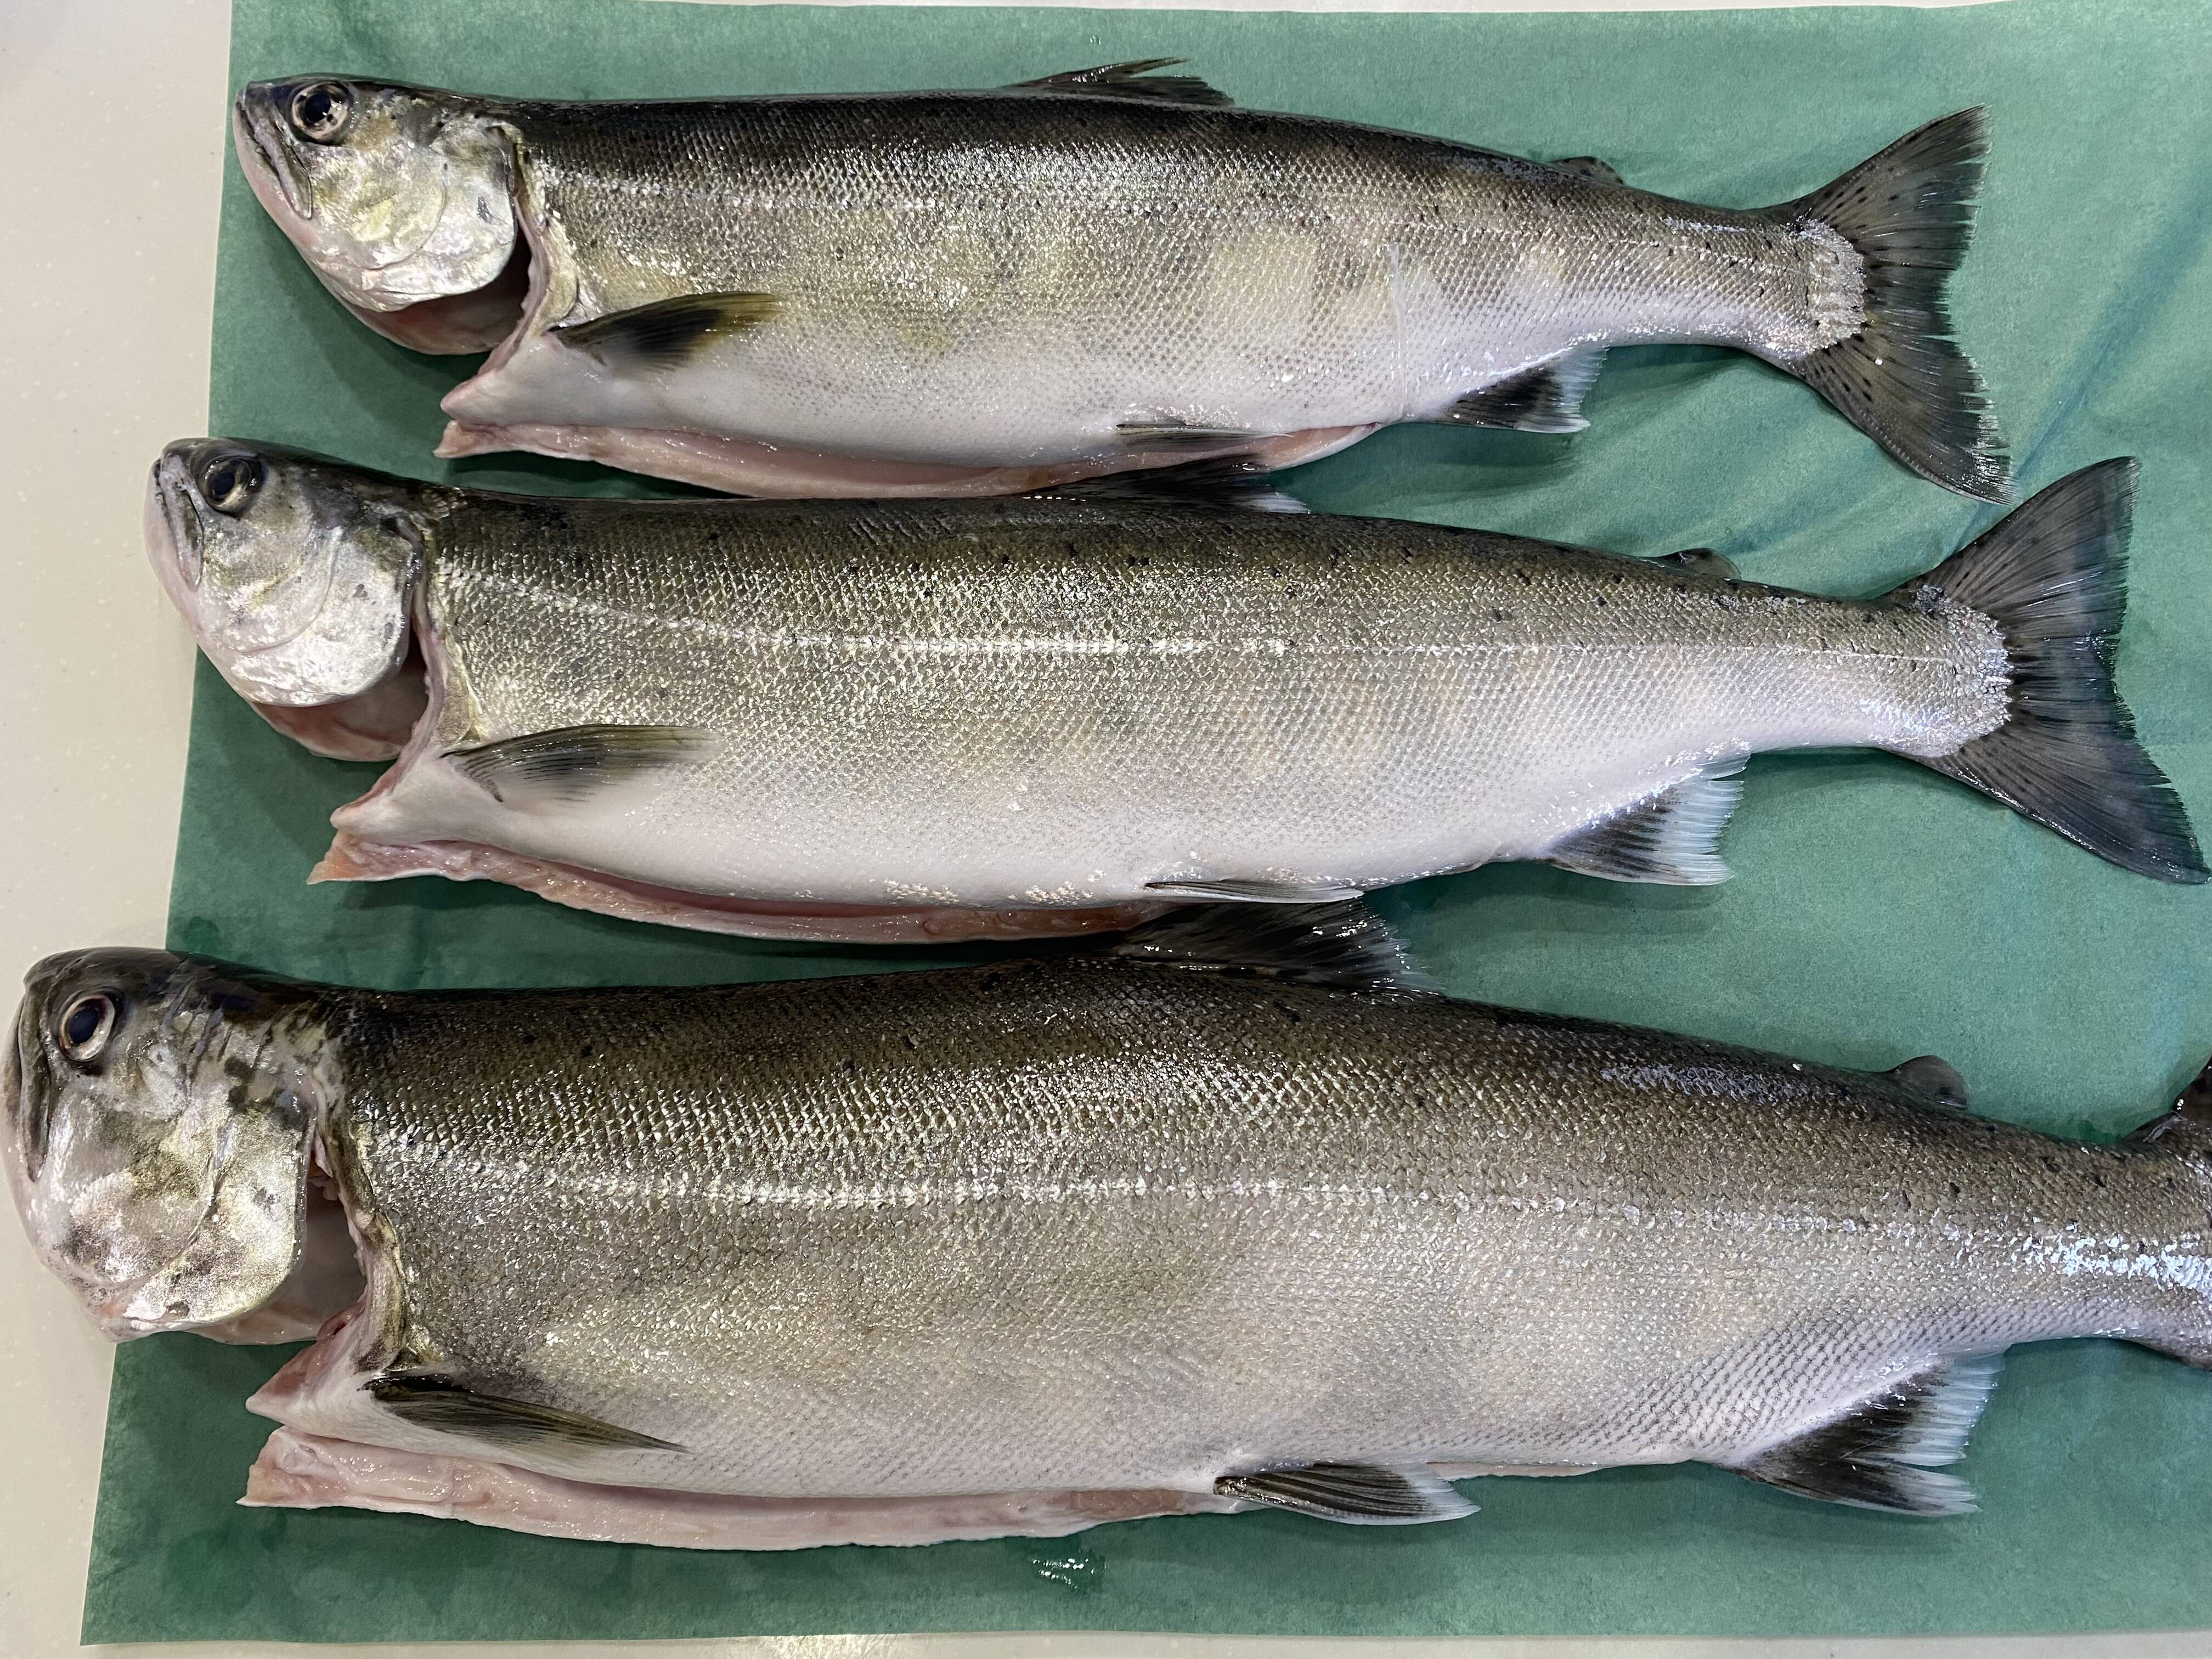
{"points": [[1669, 837], [441, 1403], [1134, 79], [1345, 945], [1546, 398], [1357, 1494], [570, 764], [1884, 1453], [666, 332]]}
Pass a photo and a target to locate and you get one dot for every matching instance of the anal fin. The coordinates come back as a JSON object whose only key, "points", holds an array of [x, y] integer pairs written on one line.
{"points": [[1345, 945], [1360, 1494], [451, 1407], [1546, 398], [1884, 1452], [1169, 433], [572, 762], [1669, 837], [1258, 891], [667, 332]]}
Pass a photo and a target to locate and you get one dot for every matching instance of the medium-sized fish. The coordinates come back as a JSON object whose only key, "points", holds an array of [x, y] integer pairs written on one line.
{"points": [[1236, 1214], [982, 293], [931, 719]]}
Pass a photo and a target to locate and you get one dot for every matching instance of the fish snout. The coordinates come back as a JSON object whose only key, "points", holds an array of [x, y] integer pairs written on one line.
{"points": [[260, 132], [172, 523]]}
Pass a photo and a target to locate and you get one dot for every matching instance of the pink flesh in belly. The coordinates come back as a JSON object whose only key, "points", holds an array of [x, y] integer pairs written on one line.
{"points": [[744, 467], [353, 859], [309, 1472]]}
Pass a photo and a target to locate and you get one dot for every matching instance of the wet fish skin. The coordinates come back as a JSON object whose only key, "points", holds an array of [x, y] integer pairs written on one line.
{"points": [[1069, 706], [1152, 280], [1105, 1225]]}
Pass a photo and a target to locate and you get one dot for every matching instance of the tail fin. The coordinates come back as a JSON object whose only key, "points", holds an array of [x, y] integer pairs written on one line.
{"points": [[1900, 379], [2052, 576]]}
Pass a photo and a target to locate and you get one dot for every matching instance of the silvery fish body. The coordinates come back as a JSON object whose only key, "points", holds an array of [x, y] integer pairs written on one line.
{"points": [[1234, 1215], [925, 719], [988, 291]]}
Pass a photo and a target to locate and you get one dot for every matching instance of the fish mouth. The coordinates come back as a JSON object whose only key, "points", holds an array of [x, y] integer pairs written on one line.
{"points": [[173, 526], [253, 128]]}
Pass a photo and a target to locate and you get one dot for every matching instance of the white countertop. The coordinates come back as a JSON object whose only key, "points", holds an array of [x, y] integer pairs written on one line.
{"points": [[110, 117]]}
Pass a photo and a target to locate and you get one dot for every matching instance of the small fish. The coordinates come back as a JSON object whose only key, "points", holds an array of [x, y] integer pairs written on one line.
{"points": [[1238, 1214], [916, 720], [985, 293]]}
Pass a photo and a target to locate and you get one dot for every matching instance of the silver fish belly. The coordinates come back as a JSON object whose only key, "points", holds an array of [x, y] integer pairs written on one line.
{"points": [[964, 293], [918, 720], [1233, 1216]]}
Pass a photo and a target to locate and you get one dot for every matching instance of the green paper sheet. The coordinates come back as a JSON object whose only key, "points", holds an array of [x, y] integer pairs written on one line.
{"points": [[1879, 911]]}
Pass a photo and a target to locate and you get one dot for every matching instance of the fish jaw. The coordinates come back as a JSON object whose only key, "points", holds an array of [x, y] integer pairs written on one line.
{"points": [[304, 1471]]}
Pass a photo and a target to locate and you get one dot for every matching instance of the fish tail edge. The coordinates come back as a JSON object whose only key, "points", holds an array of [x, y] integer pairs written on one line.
{"points": [[2052, 575], [1900, 378]]}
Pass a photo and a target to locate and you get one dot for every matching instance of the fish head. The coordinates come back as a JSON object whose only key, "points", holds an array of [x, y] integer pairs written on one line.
{"points": [[296, 573], [395, 195], [155, 1119]]}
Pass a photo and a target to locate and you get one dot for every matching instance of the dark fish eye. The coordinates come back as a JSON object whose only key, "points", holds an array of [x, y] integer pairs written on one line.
{"points": [[319, 112], [228, 481], [86, 1026]]}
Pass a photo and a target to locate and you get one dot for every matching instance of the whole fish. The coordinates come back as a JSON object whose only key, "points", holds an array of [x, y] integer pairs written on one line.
{"points": [[981, 293], [927, 719], [1238, 1214]]}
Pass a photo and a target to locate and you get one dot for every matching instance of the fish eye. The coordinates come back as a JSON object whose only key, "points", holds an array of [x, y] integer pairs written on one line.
{"points": [[319, 112], [228, 481], [86, 1026]]}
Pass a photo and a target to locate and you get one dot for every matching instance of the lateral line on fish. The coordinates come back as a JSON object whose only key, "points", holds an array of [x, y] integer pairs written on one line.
{"points": [[856, 644]]}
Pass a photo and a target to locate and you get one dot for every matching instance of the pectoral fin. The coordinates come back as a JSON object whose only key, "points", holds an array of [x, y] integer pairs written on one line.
{"points": [[1131, 80], [1172, 435], [1937, 1079], [666, 332], [450, 1407], [1548, 398], [1361, 1494], [574, 762]]}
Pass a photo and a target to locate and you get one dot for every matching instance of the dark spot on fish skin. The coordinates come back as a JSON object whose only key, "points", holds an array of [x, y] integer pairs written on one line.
{"points": [[2051, 1164], [907, 1037], [1496, 615], [588, 1052], [847, 1066], [1954, 1189], [528, 1037]]}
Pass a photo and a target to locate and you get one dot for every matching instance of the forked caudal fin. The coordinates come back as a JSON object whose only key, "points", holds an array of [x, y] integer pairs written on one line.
{"points": [[1899, 377], [2052, 577]]}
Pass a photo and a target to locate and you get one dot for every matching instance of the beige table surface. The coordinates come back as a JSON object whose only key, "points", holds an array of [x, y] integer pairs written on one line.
{"points": [[108, 122]]}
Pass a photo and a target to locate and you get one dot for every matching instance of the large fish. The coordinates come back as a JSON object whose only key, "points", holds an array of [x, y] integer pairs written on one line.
{"points": [[1236, 1214], [986, 292], [927, 719]]}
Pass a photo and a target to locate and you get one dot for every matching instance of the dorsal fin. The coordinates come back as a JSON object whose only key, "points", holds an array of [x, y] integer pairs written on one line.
{"points": [[1131, 80], [1701, 562], [1229, 480], [1588, 167], [1346, 945], [1936, 1078]]}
